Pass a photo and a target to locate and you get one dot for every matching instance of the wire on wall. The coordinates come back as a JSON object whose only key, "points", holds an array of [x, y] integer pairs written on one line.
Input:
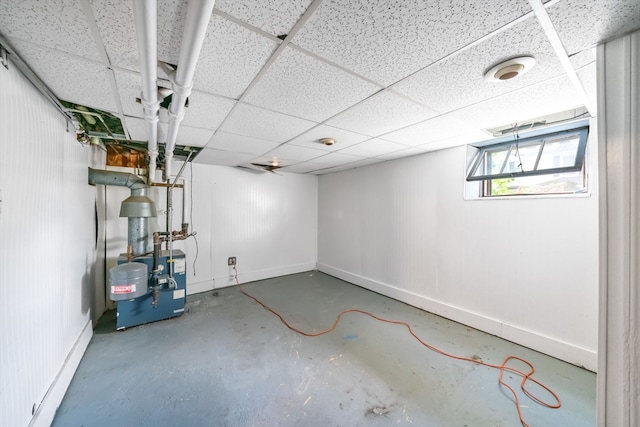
{"points": [[502, 368]]}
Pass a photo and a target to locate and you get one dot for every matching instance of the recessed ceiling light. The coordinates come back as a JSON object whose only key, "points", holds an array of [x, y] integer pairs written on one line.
{"points": [[328, 141], [507, 70]]}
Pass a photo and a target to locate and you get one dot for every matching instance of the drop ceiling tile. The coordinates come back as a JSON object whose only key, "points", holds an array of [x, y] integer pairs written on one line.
{"points": [[373, 148], [193, 137], [260, 123], [71, 78], [137, 128], [583, 58], [270, 160], [212, 156], [207, 111], [458, 81], [336, 159], [534, 101], [55, 24], [456, 141], [582, 24], [276, 17], [381, 113], [171, 18], [231, 57], [343, 138], [129, 88], [588, 78], [293, 152], [241, 144], [302, 86], [304, 167], [115, 21], [429, 130], [407, 152], [388, 41]]}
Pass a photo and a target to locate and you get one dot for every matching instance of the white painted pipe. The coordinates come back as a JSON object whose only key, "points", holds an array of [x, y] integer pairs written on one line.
{"points": [[146, 21], [195, 29]]}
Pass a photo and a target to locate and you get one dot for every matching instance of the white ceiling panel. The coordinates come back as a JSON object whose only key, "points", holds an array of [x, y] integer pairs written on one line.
{"points": [[456, 141], [459, 80], [138, 128], [582, 24], [336, 159], [241, 144], [429, 130], [276, 17], [56, 24], [260, 123], [192, 137], [71, 78], [588, 78], [116, 24], [231, 57], [302, 86], [293, 152], [129, 88], [343, 138], [583, 58], [305, 167], [212, 156], [207, 111], [381, 113], [407, 152], [521, 105], [171, 18], [388, 41], [373, 148]]}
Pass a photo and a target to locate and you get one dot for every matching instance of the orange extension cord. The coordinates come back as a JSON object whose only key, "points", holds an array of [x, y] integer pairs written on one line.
{"points": [[502, 367]]}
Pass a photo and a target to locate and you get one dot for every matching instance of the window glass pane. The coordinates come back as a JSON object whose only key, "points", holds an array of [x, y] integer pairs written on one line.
{"points": [[528, 154], [495, 159], [559, 153], [567, 182]]}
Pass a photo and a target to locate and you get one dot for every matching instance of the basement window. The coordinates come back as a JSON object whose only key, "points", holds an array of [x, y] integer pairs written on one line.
{"points": [[547, 163]]}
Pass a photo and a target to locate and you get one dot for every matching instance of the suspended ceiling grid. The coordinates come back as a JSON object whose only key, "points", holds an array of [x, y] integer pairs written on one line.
{"points": [[386, 79]]}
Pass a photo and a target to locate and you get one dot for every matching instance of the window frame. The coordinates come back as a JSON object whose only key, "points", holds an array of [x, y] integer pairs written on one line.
{"points": [[543, 138]]}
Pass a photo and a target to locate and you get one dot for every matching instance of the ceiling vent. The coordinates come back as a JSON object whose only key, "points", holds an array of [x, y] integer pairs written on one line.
{"points": [[510, 69]]}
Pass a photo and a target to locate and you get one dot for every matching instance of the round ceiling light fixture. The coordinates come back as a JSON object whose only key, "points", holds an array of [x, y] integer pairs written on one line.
{"points": [[510, 69], [328, 141]]}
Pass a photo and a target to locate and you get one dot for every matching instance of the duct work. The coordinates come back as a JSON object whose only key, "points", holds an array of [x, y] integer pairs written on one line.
{"points": [[138, 207]]}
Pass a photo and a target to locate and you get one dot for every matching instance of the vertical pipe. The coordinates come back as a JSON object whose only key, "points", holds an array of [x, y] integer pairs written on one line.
{"points": [[146, 23], [195, 29]]}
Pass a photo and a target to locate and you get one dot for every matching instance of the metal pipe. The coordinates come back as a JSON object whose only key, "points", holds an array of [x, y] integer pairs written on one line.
{"points": [[138, 207], [195, 29], [146, 23]]}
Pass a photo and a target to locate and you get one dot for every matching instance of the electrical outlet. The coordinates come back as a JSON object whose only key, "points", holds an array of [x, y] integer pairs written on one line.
{"points": [[231, 261]]}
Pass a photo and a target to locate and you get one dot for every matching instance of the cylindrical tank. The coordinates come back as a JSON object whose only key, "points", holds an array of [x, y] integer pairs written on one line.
{"points": [[128, 280]]}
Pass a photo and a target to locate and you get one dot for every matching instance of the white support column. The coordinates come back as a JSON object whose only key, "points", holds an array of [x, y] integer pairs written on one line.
{"points": [[619, 172]]}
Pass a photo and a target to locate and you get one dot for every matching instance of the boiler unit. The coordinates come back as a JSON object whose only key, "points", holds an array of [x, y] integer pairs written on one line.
{"points": [[148, 291]]}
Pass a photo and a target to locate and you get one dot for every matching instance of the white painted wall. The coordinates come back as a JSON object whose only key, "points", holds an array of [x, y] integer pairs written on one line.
{"points": [[267, 221], [47, 253], [524, 269]]}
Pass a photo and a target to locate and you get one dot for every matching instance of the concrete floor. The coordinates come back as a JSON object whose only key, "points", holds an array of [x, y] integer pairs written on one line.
{"points": [[228, 362]]}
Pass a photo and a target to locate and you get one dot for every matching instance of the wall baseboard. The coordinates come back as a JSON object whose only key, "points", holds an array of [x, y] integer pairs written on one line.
{"points": [[47, 410], [248, 276], [561, 350]]}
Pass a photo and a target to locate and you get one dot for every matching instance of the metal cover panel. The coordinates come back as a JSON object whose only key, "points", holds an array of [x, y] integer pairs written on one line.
{"points": [[458, 81], [302, 86], [387, 42], [260, 123], [381, 113]]}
